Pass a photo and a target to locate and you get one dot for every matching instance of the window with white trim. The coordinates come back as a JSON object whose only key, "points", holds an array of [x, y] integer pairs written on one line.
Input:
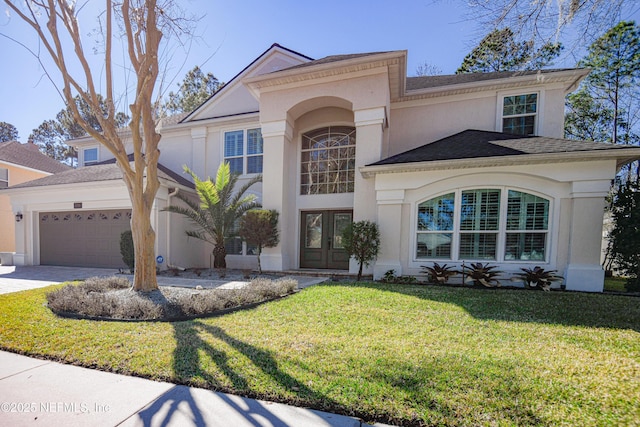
{"points": [[234, 245], [520, 114], [243, 151], [4, 177], [90, 156], [483, 224], [328, 161]]}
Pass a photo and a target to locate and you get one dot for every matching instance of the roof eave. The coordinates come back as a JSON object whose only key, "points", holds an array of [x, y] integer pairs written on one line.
{"points": [[570, 78], [399, 57], [621, 155]]}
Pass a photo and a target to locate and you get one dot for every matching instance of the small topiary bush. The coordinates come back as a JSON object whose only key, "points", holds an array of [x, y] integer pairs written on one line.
{"points": [[126, 249]]}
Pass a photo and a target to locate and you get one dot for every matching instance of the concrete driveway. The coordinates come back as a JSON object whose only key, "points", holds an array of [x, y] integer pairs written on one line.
{"points": [[20, 278]]}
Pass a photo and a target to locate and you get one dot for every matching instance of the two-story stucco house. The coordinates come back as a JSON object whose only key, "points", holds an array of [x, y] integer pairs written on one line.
{"points": [[19, 163], [454, 169]]}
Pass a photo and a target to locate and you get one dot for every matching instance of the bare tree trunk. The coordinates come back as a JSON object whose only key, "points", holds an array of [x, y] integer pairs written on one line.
{"points": [[219, 256], [144, 238]]}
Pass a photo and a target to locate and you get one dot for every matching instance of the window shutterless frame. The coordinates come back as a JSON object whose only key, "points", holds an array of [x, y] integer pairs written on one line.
{"points": [[243, 150], [519, 113], [499, 224]]}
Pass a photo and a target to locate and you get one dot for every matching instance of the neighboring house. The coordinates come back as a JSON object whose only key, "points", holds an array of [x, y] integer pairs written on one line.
{"points": [[462, 168], [19, 163]]}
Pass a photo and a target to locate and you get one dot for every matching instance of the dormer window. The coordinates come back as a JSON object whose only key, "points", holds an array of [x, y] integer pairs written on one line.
{"points": [[90, 156], [519, 114]]}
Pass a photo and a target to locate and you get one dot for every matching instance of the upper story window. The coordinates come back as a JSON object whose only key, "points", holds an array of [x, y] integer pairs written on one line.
{"points": [[4, 177], [328, 160], [90, 156], [483, 224], [243, 151], [519, 114]]}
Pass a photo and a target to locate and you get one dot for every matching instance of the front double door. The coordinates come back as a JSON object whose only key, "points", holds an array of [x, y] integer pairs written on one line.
{"points": [[321, 239]]}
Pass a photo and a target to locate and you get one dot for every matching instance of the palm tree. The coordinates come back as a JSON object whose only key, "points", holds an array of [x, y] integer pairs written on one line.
{"points": [[219, 209]]}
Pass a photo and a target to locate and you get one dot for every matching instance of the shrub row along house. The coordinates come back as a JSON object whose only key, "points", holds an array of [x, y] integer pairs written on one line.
{"points": [[459, 168]]}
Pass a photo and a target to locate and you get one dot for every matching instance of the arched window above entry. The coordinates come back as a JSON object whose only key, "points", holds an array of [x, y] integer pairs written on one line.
{"points": [[498, 224], [328, 160]]}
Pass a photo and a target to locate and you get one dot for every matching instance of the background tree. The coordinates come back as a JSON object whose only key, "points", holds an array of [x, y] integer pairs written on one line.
{"points": [[361, 240], [607, 106], [218, 210], [500, 51], [259, 227], [52, 135], [195, 89], [625, 236], [141, 23], [427, 69], [576, 22], [8, 132]]}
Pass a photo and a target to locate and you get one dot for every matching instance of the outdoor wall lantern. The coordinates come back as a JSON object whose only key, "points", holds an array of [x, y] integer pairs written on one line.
{"points": [[19, 217]]}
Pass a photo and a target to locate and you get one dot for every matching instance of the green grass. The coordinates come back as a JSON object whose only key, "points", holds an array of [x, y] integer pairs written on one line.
{"points": [[401, 354], [615, 284]]}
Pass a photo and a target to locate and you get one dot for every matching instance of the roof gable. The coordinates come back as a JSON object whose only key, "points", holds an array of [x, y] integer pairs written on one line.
{"points": [[234, 98], [29, 156]]}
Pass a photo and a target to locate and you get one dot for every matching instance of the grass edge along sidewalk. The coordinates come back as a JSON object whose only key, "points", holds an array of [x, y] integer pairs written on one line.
{"points": [[400, 354]]}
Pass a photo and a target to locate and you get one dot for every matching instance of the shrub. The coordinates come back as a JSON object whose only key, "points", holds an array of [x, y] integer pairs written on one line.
{"points": [[481, 274], [259, 227], [111, 298], [389, 277], [538, 278], [126, 249], [361, 240], [439, 274]]}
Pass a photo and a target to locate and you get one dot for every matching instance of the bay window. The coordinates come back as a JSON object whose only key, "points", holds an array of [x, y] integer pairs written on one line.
{"points": [[494, 224]]}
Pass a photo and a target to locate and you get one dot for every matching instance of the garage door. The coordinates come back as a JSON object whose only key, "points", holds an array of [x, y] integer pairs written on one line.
{"points": [[83, 238]]}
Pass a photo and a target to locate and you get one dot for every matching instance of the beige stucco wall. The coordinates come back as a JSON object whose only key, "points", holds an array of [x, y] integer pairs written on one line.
{"points": [[17, 175], [575, 190], [418, 122]]}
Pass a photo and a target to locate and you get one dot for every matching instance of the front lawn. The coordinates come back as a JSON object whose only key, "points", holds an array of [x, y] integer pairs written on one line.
{"points": [[401, 354]]}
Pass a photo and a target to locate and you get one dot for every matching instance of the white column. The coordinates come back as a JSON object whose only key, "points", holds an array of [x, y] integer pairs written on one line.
{"points": [[369, 137], [278, 186], [390, 224], [584, 271], [199, 153]]}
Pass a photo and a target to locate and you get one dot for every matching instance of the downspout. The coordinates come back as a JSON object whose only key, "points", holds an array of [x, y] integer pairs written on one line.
{"points": [[171, 194]]}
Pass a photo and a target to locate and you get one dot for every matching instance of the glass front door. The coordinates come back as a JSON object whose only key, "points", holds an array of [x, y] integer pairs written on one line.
{"points": [[321, 239]]}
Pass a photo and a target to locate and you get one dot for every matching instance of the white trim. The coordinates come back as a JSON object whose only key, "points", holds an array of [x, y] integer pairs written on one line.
{"points": [[501, 232], [84, 149], [245, 141], [523, 91]]}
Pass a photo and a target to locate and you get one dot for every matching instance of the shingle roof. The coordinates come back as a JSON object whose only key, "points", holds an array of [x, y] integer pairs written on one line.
{"points": [[106, 171], [472, 144], [332, 58], [425, 82], [28, 155]]}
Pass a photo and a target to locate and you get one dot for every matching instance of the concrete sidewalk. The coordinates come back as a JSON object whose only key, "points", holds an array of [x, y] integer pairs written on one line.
{"points": [[15, 279], [41, 392]]}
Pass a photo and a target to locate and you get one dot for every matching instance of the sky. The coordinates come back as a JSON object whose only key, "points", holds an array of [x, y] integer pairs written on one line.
{"points": [[231, 34]]}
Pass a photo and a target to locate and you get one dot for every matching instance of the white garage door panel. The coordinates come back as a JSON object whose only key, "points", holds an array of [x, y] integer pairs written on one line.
{"points": [[83, 238]]}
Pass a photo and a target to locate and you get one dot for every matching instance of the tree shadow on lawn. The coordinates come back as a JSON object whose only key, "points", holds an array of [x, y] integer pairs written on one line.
{"points": [[188, 368], [530, 306]]}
